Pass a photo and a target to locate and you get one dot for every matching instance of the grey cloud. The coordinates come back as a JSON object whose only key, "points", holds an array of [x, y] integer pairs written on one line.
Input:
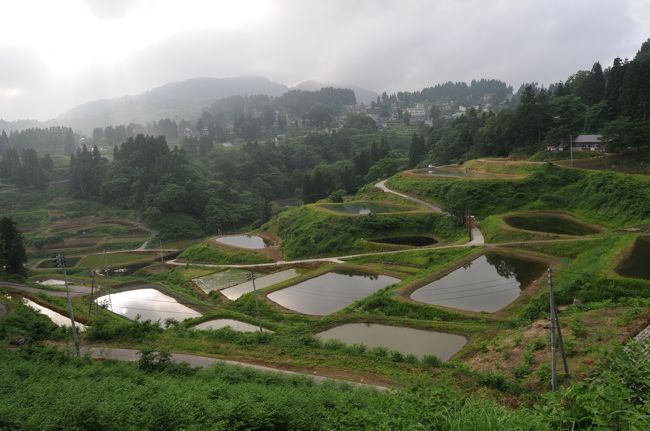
{"points": [[109, 9], [381, 45]]}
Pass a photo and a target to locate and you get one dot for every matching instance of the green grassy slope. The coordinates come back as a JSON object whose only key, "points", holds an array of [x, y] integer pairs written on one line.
{"points": [[611, 198], [310, 231]]}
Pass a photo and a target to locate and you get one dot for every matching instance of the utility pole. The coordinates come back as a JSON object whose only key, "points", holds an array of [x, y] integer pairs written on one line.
{"points": [[92, 293], [251, 277], [162, 260], [553, 355], [571, 148], [560, 339], [556, 334], [60, 262], [105, 264]]}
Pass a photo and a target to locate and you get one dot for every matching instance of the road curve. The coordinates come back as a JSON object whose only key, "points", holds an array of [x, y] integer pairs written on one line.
{"points": [[133, 355], [477, 235], [382, 186]]}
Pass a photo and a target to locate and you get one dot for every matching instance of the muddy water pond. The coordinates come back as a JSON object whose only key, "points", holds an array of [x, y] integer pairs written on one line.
{"points": [[243, 241], [637, 264], [235, 325], [235, 292], [363, 208], [329, 292], [488, 283], [551, 223], [148, 303], [407, 341], [415, 241]]}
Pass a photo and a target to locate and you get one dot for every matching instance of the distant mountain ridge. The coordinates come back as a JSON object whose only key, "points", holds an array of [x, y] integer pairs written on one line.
{"points": [[176, 100]]}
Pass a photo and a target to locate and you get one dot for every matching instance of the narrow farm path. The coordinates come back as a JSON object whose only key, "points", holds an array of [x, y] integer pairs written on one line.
{"points": [[74, 290]]}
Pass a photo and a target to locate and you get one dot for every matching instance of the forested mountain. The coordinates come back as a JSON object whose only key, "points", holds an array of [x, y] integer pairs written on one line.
{"points": [[614, 102], [363, 95], [49, 139], [176, 100]]}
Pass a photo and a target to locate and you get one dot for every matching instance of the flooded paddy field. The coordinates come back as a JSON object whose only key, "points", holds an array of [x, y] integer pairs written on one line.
{"points": [[235, 292], [329, 292], [57, 318], [235, 325], [223, 279], [488, 283], [148, 303], [251, 242], [551, 223], [415, 241], [407, 341], [364, 208]]}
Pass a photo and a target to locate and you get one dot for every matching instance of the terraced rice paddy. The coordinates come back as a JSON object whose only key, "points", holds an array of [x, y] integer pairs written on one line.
{"points": [[551, 223], [223, 279], [488, 283], [329, 292], [235, 292], [407, 341]]}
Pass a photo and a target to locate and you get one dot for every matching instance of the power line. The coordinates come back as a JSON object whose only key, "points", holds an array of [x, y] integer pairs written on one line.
{"points": [[436, 292]]}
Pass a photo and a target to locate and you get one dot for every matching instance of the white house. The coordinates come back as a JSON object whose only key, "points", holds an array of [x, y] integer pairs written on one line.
{"points": [[419, 113], [580, 143], [589, 143]]}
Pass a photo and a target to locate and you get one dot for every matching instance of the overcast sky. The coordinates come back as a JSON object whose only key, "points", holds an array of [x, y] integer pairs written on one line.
{"points": [[57, 54]]}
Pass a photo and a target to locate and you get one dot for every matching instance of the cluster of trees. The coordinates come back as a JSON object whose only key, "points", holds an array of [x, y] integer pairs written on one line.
{"points": [[52, 139], [86, 172], [481, 91], [115, 135], [259, 115], [12, 249], [614, 102], [162, 185], [346, 175], [26, 168], [237, 117], [227, 188]]}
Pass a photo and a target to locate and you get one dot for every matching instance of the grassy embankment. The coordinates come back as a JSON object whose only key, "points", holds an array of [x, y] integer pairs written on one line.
{"points": [[612, 199], [312, 231], [157, 394]]}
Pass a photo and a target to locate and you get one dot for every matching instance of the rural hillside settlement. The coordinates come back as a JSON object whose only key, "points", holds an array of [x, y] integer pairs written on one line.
{"points": [[325, 215]]}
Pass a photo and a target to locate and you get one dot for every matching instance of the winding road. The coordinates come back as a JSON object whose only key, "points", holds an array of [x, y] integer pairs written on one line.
{"points": [[477, 235], [133, 355], [477, 239]]}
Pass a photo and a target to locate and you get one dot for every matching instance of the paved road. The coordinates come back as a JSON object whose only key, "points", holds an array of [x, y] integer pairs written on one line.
{"points": [[436, 209], [477, 235], [74, 290], [132, 355]]}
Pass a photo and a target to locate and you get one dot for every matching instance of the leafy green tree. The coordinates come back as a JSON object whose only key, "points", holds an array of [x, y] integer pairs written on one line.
{"points": [[417, 150], [12, 253], [624, 133]]}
